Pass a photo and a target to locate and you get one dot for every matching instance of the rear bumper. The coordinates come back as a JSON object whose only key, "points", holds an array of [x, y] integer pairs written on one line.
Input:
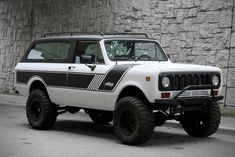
{"points": [[177, 100]]}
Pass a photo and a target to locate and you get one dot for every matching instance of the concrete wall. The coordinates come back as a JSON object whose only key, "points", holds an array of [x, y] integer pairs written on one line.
{"points": [[191, 31]]}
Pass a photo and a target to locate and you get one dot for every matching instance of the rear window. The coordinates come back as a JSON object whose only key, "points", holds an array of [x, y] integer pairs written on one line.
{"points": [[51, 51]]}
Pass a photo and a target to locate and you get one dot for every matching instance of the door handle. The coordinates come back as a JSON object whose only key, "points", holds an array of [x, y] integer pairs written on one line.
{"points": [[91, 66], [71, 67]]}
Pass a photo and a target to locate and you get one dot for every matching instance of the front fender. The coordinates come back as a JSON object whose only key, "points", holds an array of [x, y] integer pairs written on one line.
{"points": [[148, 88]]}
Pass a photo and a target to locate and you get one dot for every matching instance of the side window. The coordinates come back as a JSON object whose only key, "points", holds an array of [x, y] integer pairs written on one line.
{"points": [[51, 51], [89, 52]]}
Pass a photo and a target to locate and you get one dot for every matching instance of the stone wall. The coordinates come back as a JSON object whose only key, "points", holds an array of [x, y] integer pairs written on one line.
{"points": [[71, 15], [230, 90], [15, 36], [191, 31]]}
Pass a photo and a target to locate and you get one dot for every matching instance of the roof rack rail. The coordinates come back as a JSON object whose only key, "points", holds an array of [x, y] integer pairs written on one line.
{"points": [[72, 33], [93, 33], [126, 33]]}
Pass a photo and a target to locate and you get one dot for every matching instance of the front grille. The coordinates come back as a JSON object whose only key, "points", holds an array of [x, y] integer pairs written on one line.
{"points": [[192, 93], [181, 80]]}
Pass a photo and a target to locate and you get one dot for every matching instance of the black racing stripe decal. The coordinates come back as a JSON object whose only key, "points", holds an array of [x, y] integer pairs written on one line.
{"points": [[97, 82], [57, 79], [113, 77], [53, 79], [79, 80]]}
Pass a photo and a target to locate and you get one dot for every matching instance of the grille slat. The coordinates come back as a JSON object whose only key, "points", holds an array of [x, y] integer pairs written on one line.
{"points": [[176, 82], [180, 81]]}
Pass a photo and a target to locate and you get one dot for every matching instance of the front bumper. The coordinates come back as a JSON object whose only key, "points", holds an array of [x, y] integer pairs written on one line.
{"points": [[177, 100]]}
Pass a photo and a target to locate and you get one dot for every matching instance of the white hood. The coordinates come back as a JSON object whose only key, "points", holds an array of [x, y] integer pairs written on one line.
{"points": [[174, 67]]}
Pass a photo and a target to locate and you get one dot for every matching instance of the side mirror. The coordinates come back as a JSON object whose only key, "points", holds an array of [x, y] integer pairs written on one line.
{"points": [[87, 59]]}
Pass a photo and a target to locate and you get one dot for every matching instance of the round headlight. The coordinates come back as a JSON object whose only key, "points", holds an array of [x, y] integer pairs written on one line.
{"points": [[166, 82], [215, 80]]}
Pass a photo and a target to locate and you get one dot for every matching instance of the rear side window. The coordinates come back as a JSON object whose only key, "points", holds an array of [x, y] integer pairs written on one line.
{"points": [[51, 51]]}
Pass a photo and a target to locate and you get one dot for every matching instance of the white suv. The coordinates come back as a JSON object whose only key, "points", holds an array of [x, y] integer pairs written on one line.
{"points": [[126, 78]]}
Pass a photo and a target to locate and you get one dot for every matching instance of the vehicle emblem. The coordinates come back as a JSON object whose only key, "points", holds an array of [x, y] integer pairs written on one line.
{"points": [[109, 84]]}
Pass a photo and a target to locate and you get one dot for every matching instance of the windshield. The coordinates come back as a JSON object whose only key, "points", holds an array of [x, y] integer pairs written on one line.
{"points": [[125, 50]]}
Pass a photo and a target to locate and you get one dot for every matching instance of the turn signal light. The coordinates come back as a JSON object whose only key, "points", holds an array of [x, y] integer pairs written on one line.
{"points": [[165, 95], [148, 78], [215, 93]]}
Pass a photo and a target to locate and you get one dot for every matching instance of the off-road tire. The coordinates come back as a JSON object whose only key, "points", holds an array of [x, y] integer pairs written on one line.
{"points": [[40, 112], [100, 116], [205, 126], [133, 121]]}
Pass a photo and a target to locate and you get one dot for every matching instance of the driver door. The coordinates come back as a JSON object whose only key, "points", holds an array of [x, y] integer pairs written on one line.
{"points": [[85, 76]]}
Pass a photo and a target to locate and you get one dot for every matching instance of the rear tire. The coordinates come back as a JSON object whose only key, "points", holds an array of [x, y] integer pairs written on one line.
{"points": [[100, 116], [206, 125], [133, 121], [40, 112]]}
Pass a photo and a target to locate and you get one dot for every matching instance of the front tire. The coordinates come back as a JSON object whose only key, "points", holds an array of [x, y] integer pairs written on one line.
{"points": [[133, 121], [206, 125], [40, 112]]}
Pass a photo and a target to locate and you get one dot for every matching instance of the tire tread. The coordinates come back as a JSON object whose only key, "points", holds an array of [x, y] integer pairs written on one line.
{"points": [[146, 120], [50, 112], [213, 118]]}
